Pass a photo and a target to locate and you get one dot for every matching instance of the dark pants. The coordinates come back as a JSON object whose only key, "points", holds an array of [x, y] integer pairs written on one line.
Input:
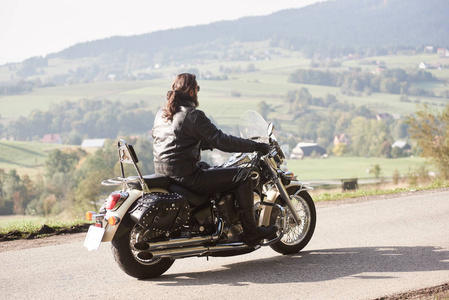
{"points": [[215, 180]]}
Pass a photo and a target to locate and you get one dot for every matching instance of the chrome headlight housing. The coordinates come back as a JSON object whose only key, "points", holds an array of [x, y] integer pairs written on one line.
{"points": [[275, 159]]}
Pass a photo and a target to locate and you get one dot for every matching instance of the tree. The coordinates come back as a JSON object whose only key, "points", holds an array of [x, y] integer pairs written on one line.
{"points": [[62, 162], [95, 168], [325, 133], [430, 130], [368, 137], [339, 149], [48, 204], [18, 203], [13, 193], [376, 171]]}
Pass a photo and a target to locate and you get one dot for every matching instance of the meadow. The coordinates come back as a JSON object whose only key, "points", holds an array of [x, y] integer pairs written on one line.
{"points": [[26, 225], [268, 82], [25, 157], [224, 101], [337, 168], [29, 157]]}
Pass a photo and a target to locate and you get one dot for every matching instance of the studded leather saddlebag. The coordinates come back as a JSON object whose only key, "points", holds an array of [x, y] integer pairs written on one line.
{"points": [[161, 212]]}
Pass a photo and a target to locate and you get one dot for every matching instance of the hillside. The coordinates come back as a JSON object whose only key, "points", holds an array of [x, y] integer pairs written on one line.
{"points": [[25, 157], [331, 27], [274, 64]]}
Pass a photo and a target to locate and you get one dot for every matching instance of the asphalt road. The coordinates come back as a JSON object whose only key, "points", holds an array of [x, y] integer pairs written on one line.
{"points": [[359, 251]]}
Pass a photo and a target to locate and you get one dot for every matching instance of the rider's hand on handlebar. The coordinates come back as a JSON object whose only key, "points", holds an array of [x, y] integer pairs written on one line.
{"points": [[264, 148]]}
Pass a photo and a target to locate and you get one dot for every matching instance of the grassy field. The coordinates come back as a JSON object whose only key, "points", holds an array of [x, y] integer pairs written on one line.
{"points": [[29, 157], [336, 168], [31, 224], [25, 157], [268, 83]]}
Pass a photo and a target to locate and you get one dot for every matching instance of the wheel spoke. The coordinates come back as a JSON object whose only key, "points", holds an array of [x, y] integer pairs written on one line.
{"points": [[296, 232]]}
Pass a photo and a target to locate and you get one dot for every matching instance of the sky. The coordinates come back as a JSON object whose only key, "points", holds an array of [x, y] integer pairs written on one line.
{"points": [[39, 27]]}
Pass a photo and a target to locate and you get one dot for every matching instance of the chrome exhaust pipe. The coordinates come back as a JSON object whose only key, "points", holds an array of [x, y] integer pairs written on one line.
{"points": [[191, 251], [182, 242]]}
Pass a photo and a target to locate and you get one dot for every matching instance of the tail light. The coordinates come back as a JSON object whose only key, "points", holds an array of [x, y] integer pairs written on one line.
{"points": [[115, 200]]}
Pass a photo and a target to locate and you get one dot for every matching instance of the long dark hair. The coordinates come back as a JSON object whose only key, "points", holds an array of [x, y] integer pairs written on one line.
{"points": [[181, 87]]}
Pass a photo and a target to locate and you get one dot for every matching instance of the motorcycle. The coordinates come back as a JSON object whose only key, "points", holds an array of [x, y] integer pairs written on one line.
{"points": [[152, 221]]}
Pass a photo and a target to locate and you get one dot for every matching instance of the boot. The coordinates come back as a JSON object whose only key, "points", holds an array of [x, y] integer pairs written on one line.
{"points": [[254, 234]]}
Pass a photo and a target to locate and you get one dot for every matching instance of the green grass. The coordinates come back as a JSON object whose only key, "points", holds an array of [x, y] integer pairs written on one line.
{"points": [[29, 157], [375, 192], [336, 168], [25, 157], [268, 83], [14, 106], [31, 225]]}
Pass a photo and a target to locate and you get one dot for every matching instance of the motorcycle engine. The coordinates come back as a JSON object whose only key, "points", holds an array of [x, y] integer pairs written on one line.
{"points": [[204, 221], [227, 208], [228, 211]]}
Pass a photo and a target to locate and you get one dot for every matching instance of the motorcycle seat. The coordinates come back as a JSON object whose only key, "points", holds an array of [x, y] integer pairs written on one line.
{"points": [[194, 199], [153, 180]]}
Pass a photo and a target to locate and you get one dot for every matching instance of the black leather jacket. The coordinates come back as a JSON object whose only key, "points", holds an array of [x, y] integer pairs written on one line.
{"points": [[177, 144]]}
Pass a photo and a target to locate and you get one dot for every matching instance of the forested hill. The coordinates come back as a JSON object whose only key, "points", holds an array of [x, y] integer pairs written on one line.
{"points": [[330, 27]]}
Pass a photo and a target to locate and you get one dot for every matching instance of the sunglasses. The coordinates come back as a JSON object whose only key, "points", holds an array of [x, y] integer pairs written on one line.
{"points": [[198, 88]]}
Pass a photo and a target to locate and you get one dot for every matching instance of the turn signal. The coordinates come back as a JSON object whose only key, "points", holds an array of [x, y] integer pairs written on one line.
{"points": [[113, 221], [89, 215]]}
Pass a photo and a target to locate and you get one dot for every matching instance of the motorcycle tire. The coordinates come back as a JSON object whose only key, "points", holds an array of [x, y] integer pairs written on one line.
{"points": [[126, 256], [297, 236]]}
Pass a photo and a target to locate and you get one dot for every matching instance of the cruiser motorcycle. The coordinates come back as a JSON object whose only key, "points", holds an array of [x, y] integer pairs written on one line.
{"points": [[152, 221]]}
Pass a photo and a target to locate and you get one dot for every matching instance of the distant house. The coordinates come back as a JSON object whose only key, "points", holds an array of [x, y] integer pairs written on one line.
{"points": [[383, 117], [403, 145], [380, 69], [52, 139], [429, 49], [443, 52], [93, 143], [306, 149], [341, 138], [396, 116], [400, 148], [423, 65]]}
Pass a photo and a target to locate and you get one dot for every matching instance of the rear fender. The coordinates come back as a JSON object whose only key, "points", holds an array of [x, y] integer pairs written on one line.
{"points": [[120, 213]]}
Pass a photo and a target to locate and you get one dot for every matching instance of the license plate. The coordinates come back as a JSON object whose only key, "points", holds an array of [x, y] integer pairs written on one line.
{"points": [[93, 238]]}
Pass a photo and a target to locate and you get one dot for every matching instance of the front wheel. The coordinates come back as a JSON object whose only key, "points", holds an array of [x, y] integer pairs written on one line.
{"points": [[297, 236], [126, 255]]}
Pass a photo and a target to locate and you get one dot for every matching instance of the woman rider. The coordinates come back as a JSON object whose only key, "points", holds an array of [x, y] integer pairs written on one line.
{"points": [[181, 131]]}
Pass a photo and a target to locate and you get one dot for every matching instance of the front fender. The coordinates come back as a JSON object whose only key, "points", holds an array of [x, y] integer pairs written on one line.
{"points": [[273, 194]]}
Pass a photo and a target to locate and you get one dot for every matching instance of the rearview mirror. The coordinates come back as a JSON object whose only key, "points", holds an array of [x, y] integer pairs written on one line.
{"points": [[270, 129]]}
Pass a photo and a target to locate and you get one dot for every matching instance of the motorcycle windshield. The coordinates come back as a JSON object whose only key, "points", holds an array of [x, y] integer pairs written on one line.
{"points": [[253, 126]]}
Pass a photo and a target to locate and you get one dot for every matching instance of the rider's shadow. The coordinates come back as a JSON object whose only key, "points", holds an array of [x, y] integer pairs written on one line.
{"points": [[319, 265]]}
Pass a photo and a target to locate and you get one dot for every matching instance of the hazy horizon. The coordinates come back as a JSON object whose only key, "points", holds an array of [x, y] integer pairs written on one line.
{"points": [[37, 28]]}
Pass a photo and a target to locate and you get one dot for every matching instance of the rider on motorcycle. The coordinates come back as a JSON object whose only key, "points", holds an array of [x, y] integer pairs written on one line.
{"points": [[181, 131]]}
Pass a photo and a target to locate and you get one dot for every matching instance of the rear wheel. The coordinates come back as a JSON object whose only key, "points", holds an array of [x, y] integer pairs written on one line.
{"points": [[297, 236], [126, 255]]}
